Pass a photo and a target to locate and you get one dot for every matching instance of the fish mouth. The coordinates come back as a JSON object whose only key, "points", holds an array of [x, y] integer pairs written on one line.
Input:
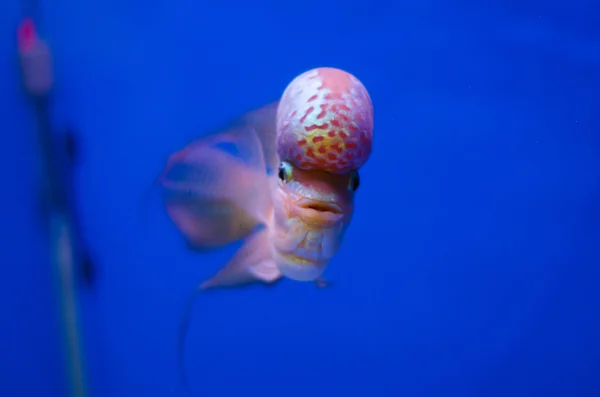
{"points": [[319, 213]]}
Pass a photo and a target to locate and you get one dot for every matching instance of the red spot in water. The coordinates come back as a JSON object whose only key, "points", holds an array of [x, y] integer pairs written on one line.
{"points": [[312, 98], [352, 128], [332, 156], [336, 147], [344, 107], [336, 123], [298, 157], [322, 149], [357, 117], [293, 113], [364, 140], [351, 145], [323, 126], [26, 34], [331, 134], [310, 109], [302, 142], [310, 153], [343, 135], [323, 111], [317, 139], [344, 117]]}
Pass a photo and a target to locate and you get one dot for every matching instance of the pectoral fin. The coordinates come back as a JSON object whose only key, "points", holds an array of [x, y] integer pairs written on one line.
{"points": [[252, 263]]}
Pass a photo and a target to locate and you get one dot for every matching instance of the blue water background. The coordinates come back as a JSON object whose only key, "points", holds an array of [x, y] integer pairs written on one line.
{"points": [[471, 266]]}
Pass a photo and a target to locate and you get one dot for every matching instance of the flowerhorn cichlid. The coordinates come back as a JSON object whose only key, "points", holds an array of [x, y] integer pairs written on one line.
{"points": [[283, 178]]}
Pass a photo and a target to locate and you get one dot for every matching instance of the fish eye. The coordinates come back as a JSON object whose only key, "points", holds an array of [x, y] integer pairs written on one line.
{"points": [[285, 171], [354, 181]]}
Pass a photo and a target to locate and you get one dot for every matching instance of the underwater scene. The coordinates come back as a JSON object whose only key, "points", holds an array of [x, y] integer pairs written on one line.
{"points": [[330, 199]]}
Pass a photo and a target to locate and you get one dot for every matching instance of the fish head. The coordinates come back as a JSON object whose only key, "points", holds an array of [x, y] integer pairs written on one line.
{"points": [[312, 214], [321, 200], [324, 134]]}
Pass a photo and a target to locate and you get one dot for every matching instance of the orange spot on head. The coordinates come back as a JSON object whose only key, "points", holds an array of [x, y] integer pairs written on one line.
{"points": [[323, 126], [312, 98], [343, 135], [331, 134], [317, 139], [323, 111], [333, 95], [308, 111], [302, 142]]}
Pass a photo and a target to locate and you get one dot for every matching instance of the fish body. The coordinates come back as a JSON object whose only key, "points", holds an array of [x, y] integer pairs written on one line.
{"points": [[282, 178]]}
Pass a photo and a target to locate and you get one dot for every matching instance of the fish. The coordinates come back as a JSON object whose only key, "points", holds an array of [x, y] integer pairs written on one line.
{"points": [[282, 178]]}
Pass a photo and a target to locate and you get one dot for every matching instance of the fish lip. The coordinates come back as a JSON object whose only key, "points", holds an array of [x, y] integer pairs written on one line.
{"points": [[319, 213], [320, 206]]}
